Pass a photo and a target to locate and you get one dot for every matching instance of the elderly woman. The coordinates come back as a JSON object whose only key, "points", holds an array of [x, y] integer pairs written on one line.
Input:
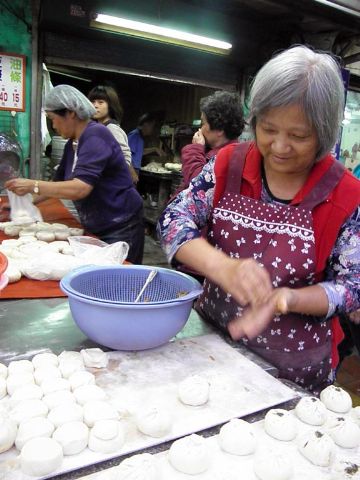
{"points": [[281, 259], [92, 172]]}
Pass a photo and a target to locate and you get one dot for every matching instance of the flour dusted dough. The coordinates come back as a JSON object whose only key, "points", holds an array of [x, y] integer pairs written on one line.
{"points": [[12, 230], [70, 355], [17, 380], [237, 437], [33, 428], [41, 456], [3, 370], [280, 424], [20, 366], [94, 357], [194, 390], [62, 234], [45, 235], [138, 467], [29, 409], [96, 410], [311, 410], [273, 466], [344, 432], [13, 273], [55, 385], [317, 447], [336, 399], [65, 413], [76, 231], [8, 430], [49, 372], [45, 359], [3, 388], [190, 455], [73, 437], [68, 367], [56, 398], [27, 392], [81, 377], [106, 436], [86, 393], [154, 422]]}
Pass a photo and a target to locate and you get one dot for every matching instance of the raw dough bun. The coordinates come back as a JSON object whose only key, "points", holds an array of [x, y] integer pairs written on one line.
{"points": [[45, 359], [59, 226], [336, 399], [33, 428], [344, 432], [62, 234], [237, 437], [27, 392], [55, 385], [20, 366], [12, 230], [154, 422], [70, 412], [18, 380], [27, 232], [3, 389], [317, 447], [68, 367], [68, 250], [70, 355], [12, 243], [49, 372], [8, 430], [355, 415], [96, 410], [29, 409], [61, 397], [280, 424], [45, 235], [82, 377], [33, 248], [3, 370], [42, 226], [138, 467], [94, 357], [41, 456], [273, 466], [75, 232], [106, 436], [73, 437], [13, 273], [194, 390], [86, 393], [190, 455], [311, 410]]}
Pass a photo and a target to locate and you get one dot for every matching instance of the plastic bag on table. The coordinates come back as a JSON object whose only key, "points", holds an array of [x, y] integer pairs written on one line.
{"points": [[96, 252], [22, 209]]}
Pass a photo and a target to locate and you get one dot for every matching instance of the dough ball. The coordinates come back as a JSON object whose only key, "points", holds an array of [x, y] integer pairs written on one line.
{"points": [[20, 366], [55, 385], [45, 235], [49, 372], [355, 415], [29, 409], [62, 234], [237, 437], [3, 388], [68, 250], [194, 390], [42, 226], [82, 377], [73, 437], [13, 274], [96, 410], [12, 230], [106, 436], [86, 393], [3, 370], [273, 466], [138, 467], [61, 397], [59, 226], [27, 392], [33, 248], [45, 359], [11, 243], [27, 232], [17, 380], [8, 430], [26, 239], [344, 432], [154, 422], [317, 447], [76, 232], [311, 410], [190, 455], [70, 355], [33, 428], [94, 357], [68, 367], [280, 424], [336, 399], [41, 456], [69, 412]]}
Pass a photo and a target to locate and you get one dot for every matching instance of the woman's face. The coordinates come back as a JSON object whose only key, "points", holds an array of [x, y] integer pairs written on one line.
{"points": [[63, 125], [286, 140], [102, 110]]}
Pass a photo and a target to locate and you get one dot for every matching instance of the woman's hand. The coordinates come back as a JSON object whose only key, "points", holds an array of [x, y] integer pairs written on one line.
{"points": [[20, 186], [198, 138]]}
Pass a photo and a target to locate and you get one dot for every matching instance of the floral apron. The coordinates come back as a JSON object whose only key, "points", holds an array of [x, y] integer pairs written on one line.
{"points": [[281, 238]]}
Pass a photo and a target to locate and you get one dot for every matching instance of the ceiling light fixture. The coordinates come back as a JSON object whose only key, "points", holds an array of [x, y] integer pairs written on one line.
{"points": [[160, 34]]}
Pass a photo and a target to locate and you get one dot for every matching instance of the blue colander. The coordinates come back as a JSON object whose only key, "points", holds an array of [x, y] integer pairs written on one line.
{"points": [[102, 304]]}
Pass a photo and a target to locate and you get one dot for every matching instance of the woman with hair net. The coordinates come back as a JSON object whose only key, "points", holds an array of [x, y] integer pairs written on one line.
{"points": [[92, 172]]}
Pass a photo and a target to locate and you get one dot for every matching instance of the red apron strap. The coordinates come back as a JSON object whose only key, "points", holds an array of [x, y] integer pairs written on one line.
{"points": [[236, 167]]}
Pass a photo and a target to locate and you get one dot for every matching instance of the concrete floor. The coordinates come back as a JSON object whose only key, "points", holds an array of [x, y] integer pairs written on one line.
{"points": [[153, 254]]}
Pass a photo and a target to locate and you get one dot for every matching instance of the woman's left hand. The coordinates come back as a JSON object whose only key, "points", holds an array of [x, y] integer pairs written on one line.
{"points": [[20, 186]]}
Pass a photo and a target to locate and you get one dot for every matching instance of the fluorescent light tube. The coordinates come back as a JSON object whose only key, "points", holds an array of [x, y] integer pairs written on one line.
{"points": [[154, 32]]}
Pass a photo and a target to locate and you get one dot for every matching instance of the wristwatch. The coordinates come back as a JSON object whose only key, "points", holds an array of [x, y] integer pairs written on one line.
{"points": [[36, 187]]}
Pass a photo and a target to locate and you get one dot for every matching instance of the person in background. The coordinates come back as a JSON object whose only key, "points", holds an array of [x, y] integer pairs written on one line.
{"points": [[281, 258], [92, 172], [222, 122], [109, 112], [145, 128]]}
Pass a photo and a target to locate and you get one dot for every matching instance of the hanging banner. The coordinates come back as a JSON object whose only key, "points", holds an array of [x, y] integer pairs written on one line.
{"points": [[12, 82]]}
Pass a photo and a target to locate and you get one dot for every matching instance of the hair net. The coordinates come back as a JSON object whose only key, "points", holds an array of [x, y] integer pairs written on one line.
{"points": [[66, 96]]}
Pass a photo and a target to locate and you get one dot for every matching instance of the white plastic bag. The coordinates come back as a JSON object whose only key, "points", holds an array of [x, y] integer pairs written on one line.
{"points": [[96, 252], [50, 266], [22, 209]]}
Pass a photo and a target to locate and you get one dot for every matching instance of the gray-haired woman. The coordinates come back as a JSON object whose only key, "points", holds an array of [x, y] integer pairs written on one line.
{"points": [[283, 248]]}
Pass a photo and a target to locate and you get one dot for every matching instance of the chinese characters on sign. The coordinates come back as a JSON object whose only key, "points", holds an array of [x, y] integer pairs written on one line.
{"points": [[12, 82]]}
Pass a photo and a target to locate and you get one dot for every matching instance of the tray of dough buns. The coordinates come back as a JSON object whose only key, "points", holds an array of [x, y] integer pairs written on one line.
{"points": [[80, 408]]}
